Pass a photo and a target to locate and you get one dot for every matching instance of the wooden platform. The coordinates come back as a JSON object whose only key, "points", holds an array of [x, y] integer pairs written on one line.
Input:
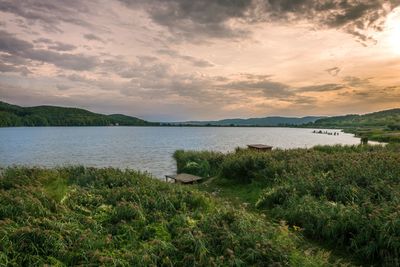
{"points": [[260, 147], [183, 178]]}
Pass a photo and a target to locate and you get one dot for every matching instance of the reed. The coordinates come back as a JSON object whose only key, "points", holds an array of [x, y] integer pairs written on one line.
{"points": [[341, 196], [110, 217]]}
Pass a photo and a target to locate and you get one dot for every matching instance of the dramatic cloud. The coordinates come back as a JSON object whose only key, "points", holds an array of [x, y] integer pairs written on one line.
{"points": [[47, 13], [353, 15], [321, 88], [63, 87], [12, 68], [210, 18], [276, 90], [20, 48], [333, 71], [58, 46], [192, 19], [93, 37], [194, 61], [204, 59], [269, 88]]}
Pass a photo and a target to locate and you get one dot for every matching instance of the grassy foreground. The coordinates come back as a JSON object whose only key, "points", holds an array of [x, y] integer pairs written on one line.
{"points": [[346, 198], [86, 216]]}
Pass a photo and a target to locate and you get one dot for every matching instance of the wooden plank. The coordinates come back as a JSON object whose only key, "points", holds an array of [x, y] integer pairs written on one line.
{"points": [[259, 147], [183, 178], [187, 178]]}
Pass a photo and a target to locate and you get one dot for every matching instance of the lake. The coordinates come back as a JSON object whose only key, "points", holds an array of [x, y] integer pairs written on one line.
{"points": [[143, 148]]}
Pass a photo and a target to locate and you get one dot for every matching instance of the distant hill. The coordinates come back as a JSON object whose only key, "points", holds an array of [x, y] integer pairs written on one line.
{"points": [[12, 115], [387, 118], [267, 121]]}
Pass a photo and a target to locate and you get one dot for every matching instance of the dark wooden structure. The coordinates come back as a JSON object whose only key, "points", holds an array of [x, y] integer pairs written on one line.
{"points": [[183, 178], [364, 140], [260, 147]]}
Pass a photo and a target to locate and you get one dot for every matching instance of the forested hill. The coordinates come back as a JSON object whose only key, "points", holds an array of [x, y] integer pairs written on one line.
{"points": [[387, 118], [12, 115], [266, 121]]}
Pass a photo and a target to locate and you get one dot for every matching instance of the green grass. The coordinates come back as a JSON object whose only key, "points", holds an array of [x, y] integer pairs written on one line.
{"points": [[381, 126], [204, 163], [55, 187], [379, 134], [345, 198], [87, 216], [235, 192]]}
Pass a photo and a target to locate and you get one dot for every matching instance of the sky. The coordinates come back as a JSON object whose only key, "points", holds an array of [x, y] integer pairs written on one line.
{"points": [[177, 60]]}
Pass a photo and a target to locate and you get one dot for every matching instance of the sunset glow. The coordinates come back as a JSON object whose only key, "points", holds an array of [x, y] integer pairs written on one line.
{"points": [[393, 29], [181, 60]]}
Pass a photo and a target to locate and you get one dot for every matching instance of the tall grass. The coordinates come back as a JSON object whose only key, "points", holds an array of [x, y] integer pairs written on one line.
{"points": [[202, 163], [344, 196], [109, 217]]}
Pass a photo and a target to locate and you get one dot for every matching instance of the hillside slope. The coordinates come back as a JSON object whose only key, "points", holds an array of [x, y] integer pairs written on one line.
{"points": [[266, 121], [387, 118], [382, 126], [12, 115]]}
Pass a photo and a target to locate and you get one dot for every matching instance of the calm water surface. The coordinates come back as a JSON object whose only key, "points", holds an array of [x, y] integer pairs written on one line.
{"points": [[144, 148]]}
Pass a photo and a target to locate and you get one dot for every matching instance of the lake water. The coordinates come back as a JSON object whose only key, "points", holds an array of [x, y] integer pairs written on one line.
{"points": [[144, 148]]}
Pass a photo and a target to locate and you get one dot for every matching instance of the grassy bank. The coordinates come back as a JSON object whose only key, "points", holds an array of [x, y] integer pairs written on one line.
{"points": [[381, 126], [378, 134], [343, 197], [87, 216]]}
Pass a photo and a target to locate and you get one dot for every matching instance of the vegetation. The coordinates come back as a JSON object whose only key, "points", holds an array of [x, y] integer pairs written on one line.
{"points": [[204, 163], [266, 121], [387, 118], [382, 126], [86, 216], [346, 197], [11, 115]]}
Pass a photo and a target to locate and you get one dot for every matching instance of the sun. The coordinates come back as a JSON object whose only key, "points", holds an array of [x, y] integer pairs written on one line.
{"points": [[393, 31], [394, 38]]}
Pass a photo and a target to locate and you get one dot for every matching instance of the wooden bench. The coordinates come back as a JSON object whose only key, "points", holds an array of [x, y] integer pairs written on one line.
{"points": [[260, 147], [183, 178]]}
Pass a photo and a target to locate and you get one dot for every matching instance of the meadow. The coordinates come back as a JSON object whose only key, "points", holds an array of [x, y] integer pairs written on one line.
{"points": [[324, 206], [110, 217], [344, 197]]}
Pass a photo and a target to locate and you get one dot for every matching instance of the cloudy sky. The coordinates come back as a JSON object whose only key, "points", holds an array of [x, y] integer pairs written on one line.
{"points": [[170, 60]]}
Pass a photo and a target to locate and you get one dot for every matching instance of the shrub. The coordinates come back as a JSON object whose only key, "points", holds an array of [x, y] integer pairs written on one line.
{"points": [[345, 196], [244, 166], [110, 217], [201, 169], [204, 163]]}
